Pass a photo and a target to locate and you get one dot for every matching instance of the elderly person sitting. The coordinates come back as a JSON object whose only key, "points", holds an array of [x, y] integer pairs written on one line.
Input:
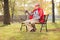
{"points": [[37, 15]]}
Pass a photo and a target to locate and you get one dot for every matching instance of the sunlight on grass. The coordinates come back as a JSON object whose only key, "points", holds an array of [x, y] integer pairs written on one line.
{"points": [[12, 32]]}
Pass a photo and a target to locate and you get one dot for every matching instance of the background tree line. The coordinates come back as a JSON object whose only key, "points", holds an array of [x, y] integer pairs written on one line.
{"points": [[9, 8]]}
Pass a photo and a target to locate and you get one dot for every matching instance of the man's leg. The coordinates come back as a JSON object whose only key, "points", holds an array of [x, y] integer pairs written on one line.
{"points": [[33, 21], [34, 28], [31, 24], [28, 24]]}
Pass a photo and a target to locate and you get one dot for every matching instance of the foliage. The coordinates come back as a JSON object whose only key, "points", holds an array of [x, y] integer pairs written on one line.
{"points": [[21, 5]]}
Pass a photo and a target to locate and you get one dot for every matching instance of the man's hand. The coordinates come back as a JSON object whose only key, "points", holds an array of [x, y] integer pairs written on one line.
{"points": [[26, 11]]}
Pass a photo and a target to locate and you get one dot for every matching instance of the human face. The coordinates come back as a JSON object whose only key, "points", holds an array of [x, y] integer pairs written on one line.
{"points": [[36, 7]]}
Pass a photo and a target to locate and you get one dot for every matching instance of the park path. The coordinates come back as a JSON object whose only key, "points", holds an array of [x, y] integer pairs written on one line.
{"points": [[56, 29]]}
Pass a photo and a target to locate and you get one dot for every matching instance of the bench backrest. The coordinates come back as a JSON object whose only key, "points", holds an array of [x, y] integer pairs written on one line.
{"points": [[46, 17]]}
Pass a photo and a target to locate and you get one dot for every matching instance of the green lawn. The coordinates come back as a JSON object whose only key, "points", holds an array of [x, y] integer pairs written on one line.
{"points": [[12, 32]]}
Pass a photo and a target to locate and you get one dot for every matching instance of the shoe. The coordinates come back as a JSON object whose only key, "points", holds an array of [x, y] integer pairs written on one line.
{"points": [[32, 30]]}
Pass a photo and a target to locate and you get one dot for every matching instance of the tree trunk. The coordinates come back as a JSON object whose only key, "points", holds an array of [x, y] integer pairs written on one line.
{"points": [[13, 8], [53, 12], [6, 13]]}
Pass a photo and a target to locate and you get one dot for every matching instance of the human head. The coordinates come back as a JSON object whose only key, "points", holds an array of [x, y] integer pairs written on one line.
{"points": [[37, 6]]}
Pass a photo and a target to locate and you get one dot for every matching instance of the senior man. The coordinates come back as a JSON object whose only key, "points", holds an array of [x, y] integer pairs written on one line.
{"points": [[37, 15]]}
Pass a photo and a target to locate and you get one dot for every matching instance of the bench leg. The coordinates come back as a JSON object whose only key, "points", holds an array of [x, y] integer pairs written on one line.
{"points": [[21, 27], [46, 27], [41, 27], [26, 29]]}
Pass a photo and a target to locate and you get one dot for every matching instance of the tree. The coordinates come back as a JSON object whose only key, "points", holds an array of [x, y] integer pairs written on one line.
{"points": [[6, 13], [12, 9], [53, 12]]}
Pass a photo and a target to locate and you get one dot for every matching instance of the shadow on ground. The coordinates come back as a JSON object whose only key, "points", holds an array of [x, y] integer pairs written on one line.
{"points": [[3, 25]]}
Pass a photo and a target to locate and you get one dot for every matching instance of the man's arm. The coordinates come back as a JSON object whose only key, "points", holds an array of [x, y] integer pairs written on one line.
{"points": [[28, 13]]}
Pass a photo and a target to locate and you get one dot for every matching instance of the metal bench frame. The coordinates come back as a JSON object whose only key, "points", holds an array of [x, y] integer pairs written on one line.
{"points": [[42, 24]]}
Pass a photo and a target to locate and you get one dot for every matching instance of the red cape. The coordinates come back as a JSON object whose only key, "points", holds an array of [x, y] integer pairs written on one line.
{"points": [[41, 13]]}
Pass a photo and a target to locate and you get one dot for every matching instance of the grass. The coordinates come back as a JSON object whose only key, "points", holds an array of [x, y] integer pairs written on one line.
{"points": [[12, 32]]}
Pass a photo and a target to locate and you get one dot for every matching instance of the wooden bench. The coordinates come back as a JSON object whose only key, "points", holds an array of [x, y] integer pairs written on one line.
{"points": [[42, 24]]}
